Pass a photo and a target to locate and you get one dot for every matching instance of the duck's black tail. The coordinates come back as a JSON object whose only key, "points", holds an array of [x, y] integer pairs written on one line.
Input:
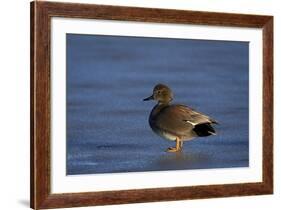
{"points": [[204, 129]]}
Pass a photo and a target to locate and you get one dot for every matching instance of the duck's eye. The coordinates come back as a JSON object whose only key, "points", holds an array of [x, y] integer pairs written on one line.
{"points": [[158, 92]]}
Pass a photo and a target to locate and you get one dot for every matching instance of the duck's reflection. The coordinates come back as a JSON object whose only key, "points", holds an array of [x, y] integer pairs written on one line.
{"points": [[181, 159]]}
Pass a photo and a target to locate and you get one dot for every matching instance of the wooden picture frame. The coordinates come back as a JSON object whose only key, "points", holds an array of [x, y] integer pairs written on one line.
{"points": [[41, 14]]}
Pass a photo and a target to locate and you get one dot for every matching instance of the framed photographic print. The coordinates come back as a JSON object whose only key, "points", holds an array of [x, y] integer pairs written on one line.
{"points": [[140, 105]]}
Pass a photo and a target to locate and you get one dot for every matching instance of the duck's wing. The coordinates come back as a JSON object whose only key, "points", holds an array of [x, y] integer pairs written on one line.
{"points": [[194, 117], [180, 119]]}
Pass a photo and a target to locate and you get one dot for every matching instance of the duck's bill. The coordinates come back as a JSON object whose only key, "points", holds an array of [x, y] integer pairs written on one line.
{"points": [[148, 98]]}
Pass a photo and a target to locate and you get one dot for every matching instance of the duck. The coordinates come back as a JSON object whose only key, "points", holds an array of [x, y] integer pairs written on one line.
{"points": [[177, 122]]}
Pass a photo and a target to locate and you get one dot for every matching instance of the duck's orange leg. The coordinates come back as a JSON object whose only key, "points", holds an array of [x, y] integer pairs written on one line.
{"points": [[177, 148]]}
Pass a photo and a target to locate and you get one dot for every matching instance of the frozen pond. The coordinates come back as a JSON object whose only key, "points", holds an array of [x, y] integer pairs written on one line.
{"points": [[107, 121]]}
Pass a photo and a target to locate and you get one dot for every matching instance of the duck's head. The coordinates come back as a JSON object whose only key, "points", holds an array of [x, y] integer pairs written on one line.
{"points": [[161, 93]]}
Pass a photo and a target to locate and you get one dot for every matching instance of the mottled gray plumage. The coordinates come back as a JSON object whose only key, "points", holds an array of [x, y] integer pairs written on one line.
{"points": [[177, 122]]}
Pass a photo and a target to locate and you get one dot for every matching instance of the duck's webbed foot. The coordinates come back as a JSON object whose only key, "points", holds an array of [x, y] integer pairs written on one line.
{"points": [[178, 147], [172, 149]]}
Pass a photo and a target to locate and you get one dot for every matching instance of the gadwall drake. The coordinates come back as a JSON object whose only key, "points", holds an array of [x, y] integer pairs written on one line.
{"points": [[177, 122]]}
